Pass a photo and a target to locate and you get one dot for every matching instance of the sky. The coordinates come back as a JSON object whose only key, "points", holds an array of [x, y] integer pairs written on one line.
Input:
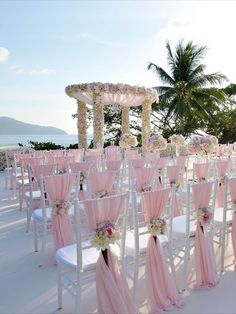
{"points": [[46, 45]]}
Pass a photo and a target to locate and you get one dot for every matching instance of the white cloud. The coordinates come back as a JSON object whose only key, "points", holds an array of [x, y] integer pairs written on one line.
{"points": [[4, 54], [45, 71]]}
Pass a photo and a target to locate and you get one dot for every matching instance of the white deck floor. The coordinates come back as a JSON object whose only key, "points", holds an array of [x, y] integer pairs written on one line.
{"points": [[25, 287]]}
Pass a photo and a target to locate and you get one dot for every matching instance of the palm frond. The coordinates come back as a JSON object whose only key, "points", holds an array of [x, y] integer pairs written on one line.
{"points": [[161, 73]]}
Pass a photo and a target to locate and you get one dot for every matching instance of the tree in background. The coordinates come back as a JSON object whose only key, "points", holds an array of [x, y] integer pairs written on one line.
{"points": [[189, 97]]}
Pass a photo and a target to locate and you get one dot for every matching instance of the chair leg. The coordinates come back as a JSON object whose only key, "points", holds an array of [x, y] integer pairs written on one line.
{"points": [[29, 211], [59, 287], [35, 237], [172, 266], [135, 279], [186, 263], [21, 197], [78, 295]]}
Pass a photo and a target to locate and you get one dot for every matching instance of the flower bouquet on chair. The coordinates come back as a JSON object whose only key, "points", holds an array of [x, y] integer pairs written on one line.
{"points": [[105, 234], [201, 145], [179, 141], [157, 143], [128, 140]]}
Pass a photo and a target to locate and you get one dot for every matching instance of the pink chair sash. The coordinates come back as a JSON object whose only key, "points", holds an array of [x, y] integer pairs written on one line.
{"points": [[138, 163], [58, 188], [132, 154], [174, 174], [232, 189], [201, 170], [112, 290], [101, 181], [160, 162], [180, 161], [63, 162], [144, 176], [222, 167], [161, 289], [151, 156], [113, 153], [44, 170], [206, 272], [114, 164]]}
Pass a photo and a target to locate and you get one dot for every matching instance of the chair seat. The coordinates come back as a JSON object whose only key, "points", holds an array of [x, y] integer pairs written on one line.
{"points": [[67, 256], [35, 194], [143, 240], [20, 182], [179, 225], [37, 214], [218, 215]]}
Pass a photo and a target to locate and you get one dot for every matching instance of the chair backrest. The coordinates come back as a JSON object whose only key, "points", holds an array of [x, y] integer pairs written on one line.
{"points": [[144, 179], [201, 171], [181, 161], [174, 174], [76, 153], [101, 183], [154, 204], [58, 187], [222, 167], [37, 171], [131, 153], [63, 162], [113, 153], [113, 209], [199, 195], [114, 164], [138, 162]]}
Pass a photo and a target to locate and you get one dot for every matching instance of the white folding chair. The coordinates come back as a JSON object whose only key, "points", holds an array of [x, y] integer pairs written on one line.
{"points": [[137, 236], [77, 262]]}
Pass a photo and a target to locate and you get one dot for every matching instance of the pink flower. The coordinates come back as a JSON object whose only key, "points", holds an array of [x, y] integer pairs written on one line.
{"points": [[172, 182], [206, 217], [109, 231]]}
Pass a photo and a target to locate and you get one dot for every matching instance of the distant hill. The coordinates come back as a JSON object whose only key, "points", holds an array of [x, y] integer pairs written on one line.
{"points": [[12, 126]]}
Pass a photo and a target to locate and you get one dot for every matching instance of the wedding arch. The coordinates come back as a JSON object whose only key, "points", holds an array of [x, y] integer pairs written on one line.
{"points": [[100, 94]]}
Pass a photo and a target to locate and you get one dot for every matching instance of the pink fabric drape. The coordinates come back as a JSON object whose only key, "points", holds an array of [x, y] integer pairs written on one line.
{"points": [[113, 164], [82, 167], [101, 181], [160, 162], [144, 176], [232, 189], [58, 188], [131, 154], [180, 161], [206, 272], [201, 170], [174, 174], [222, 167], [113, 153], [112, 290], [63, 162], [162, 292], [44, 170], [138, 163]]}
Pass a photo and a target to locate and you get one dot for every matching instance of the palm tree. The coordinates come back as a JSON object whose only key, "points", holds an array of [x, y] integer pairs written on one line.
{"points": [[187, 90]]}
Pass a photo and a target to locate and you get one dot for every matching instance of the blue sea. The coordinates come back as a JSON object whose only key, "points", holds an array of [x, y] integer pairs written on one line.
{"points": [[13, 140]]}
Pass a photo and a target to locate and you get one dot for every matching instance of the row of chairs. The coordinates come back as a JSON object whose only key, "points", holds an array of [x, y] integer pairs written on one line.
{"points": [[80, 259]]}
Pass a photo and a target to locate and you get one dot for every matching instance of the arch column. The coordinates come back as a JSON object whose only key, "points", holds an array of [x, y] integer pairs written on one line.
{"points": [[98, 120], [146, 123], [125, 128], [82, 124]]}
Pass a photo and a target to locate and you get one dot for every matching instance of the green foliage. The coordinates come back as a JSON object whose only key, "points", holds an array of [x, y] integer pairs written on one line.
{"points": [[188, 94], [72, 146], [44, 145]]}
